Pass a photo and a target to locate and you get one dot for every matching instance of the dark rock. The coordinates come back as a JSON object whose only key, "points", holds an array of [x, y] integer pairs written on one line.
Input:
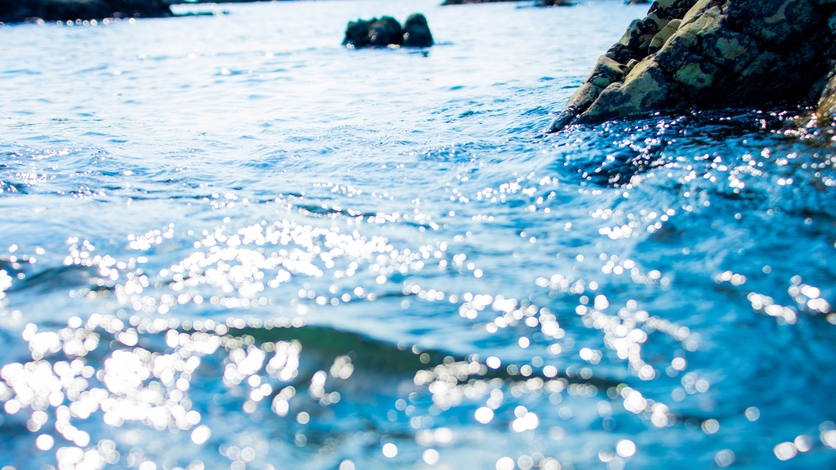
{"points": [[12, 11], [386, 31], [467, 2], [780, 22], [713, 54], [670, 9], [606, 71], [541, 3], [357, 33], [416, 32]]}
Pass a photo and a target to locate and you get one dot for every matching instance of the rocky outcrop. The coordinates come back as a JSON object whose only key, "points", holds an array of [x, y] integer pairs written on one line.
{"points": [[13, 11], [710, 54], [386, 31]]}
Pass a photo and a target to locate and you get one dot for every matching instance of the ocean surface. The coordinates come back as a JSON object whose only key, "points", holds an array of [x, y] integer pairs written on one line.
{"points": [[228, 242]]}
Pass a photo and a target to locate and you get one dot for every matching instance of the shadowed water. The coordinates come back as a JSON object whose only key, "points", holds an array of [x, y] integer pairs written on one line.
{"points": [[229, 242]]}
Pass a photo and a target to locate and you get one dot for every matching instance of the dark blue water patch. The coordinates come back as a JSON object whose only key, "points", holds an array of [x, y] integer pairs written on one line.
{"points": [[97, 68]]}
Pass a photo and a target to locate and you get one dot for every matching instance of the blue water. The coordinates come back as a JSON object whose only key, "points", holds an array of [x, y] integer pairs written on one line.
{"points": [[228, 242]]}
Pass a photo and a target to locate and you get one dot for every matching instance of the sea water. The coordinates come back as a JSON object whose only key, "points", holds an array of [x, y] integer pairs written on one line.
{"points": [[229, 242]]}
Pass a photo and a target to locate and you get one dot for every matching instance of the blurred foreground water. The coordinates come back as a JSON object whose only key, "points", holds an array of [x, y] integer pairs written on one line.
{"points": [[229, 242]]}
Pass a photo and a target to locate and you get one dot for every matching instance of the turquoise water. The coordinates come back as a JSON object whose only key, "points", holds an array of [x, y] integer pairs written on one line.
{"points": [[229, 242]]}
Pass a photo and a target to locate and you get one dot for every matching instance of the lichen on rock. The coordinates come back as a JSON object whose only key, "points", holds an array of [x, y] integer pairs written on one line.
{"points": [[712, 53]]}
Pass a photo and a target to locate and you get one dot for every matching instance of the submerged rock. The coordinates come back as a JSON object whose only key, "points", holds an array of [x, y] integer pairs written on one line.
{"points": [[386, 31], [710, 54], [13, 11]]}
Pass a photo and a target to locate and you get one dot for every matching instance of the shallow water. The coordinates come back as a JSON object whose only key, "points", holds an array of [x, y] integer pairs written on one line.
{"points": [[232, 243]]}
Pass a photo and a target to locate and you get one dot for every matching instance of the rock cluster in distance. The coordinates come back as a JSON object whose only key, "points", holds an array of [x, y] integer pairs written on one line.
{"points": [[711, 54], [386, 31], [540, 3], [15, 11]]}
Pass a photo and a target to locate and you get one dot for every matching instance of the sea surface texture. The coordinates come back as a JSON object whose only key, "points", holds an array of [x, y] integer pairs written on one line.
{"points": [[229, 242]]}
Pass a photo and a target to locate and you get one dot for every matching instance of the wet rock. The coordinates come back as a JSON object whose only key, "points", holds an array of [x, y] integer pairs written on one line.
{"points": [[539, 3], [710, 54], [606, 71], [467, 2], [386, 31], [416, 32], [646, 87], [357, 33], [12, 11]]}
